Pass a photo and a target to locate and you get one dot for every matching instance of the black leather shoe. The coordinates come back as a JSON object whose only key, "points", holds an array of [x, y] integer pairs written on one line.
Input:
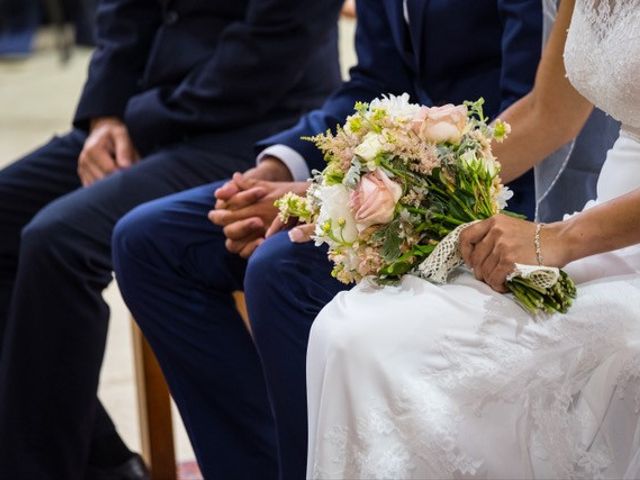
{"points": [[132, 469]]}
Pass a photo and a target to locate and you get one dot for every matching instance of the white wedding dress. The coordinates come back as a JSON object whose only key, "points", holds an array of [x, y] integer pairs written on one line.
{"points": [[429, 382]]}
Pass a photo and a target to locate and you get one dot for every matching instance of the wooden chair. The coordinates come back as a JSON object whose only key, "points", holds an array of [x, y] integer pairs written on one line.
{"points": [[154, 405]]}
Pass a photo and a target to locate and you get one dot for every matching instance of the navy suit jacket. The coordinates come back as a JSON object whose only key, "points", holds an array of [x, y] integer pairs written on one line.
{"points": [[175, 68], [451, 51]]}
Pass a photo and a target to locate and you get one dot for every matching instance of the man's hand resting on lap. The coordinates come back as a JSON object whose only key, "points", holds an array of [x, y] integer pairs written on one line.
{"points": [[244, 205], [108, 148]]}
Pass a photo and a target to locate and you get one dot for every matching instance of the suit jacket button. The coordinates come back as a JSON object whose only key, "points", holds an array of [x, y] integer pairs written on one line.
{"points": [[171, 17]]}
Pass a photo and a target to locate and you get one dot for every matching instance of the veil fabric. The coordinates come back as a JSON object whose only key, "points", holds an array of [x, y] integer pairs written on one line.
{"points": [[566, 180]]}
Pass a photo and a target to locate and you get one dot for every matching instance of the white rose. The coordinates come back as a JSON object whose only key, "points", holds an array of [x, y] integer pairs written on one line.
{"points": [[369, 147], [334, 207]]}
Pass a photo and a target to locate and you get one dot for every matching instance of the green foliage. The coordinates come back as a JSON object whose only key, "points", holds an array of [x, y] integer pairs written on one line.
{"points": [[392, 241], [476, 109]]}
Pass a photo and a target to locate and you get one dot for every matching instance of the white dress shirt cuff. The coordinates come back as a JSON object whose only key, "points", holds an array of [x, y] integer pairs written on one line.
{"points": [[292, 159]]}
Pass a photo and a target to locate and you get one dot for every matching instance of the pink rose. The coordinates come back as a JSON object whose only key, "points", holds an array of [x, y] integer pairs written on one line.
{"points": [[374, 201], [441, 124]]}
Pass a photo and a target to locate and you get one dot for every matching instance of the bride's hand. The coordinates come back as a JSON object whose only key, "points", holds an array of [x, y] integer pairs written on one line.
{"points": [[492, 247], [297, 233]]}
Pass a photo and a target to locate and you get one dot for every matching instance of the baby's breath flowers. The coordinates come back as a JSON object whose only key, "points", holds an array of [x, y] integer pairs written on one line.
{"points": [[400, 178]]}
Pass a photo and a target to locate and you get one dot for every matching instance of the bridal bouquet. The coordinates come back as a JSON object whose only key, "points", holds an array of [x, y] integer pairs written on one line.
{"points": [[401, 182]]}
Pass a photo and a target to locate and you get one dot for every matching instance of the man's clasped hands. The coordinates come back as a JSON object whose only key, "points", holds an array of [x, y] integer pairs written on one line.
{"points": [[244, 206]]}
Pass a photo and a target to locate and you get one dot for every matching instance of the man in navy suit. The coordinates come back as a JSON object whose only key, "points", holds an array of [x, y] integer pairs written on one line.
{"points": [[178, 280], [178, 91]]}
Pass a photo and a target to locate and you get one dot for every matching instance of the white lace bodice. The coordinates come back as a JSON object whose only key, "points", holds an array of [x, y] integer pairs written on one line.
{"points": [[602, 57]]}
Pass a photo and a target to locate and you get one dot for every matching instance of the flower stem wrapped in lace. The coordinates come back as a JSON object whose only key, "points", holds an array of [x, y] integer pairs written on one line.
{"points": [[400, 181]]}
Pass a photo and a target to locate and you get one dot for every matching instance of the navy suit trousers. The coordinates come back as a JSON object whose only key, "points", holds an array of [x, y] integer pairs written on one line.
{"points": [[55, 260], [177, 277]]}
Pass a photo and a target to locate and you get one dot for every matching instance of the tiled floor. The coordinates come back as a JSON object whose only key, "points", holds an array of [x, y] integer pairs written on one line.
{"points": [[37, 98]]}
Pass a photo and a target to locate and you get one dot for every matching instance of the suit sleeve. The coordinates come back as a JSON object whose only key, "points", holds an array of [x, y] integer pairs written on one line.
{"points": [[124, 33], [256, 62], [521, 47], [380, 69]]}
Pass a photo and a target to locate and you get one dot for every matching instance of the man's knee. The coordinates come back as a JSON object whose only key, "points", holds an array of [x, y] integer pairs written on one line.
{"points": [[163, 228], [273, 264], [46, 234], [278, 285], [134, 233], [135, 248]]}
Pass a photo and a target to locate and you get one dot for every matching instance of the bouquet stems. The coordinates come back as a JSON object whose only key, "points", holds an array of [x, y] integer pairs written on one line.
{"points": [[534, 299]]}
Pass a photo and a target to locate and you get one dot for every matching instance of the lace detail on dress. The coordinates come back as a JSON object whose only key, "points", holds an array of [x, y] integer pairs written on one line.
{"points": [[544, 370], [630, 375], [604, 15], [602, 56], [568, 350], [389, 442]]}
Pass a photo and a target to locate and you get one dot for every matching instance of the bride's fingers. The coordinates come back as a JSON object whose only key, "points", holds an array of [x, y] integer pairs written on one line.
{"points": [[472, 235], [278, 225], [489, 272], [302, 233], [498, 276], [481, 252], [275, 227], [487, 266]]}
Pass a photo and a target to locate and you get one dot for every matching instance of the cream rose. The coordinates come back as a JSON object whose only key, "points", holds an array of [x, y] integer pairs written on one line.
{"points": [[369, 147], [441, 124], [374, 201]]}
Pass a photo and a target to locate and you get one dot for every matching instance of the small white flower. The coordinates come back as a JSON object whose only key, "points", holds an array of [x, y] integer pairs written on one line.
{"points": [[370, 146], [397, 107], [503, 196], [491, 165], [347, 124]]}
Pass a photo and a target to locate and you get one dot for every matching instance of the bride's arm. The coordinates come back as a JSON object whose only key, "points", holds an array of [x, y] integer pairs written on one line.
{"points": [[609, 226], [493, 246], [551, 115]]}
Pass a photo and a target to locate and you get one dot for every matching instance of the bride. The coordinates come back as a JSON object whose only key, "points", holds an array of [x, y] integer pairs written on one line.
{"points": [[456, 381]]}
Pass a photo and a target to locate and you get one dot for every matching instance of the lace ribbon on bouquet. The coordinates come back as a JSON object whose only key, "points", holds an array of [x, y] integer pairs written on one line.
{"points": [[446, 257]]}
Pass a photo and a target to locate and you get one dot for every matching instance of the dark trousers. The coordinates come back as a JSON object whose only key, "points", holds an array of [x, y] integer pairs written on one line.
{"points": [[55, 260], [177, 278]]}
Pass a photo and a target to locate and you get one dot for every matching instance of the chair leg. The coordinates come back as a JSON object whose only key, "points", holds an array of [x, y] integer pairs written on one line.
{"points": [[154, 406], [238, 297]]}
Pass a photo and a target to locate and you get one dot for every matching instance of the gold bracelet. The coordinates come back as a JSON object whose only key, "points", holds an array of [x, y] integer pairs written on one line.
{"points": [[536, 243]]}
